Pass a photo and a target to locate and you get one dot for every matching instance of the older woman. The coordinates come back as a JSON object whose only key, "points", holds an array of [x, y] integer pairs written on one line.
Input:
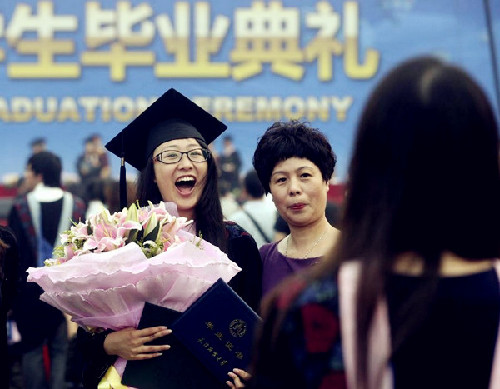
{"points": [[295, 163]]}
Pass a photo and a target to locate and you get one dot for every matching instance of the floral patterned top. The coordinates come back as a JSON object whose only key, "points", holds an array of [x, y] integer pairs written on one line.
{"points": [[300, 342]]}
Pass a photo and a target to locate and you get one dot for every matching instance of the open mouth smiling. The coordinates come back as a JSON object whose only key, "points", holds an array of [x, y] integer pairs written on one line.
{"points": [[185, 184]]}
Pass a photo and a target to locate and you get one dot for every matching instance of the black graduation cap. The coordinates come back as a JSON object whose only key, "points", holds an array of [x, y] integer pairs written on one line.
{"points": [[171, 116]]}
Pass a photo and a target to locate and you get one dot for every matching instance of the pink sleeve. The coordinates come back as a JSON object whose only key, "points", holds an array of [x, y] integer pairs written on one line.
{"points": [[379, 337], [495, 369], [379, 340]]}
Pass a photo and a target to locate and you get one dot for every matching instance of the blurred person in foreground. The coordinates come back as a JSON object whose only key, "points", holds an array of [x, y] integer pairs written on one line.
{"points": [[410, 297]]}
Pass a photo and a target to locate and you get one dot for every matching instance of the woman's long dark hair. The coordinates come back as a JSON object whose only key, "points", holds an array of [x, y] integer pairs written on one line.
{"points": [[208, 210], [424, 178]]}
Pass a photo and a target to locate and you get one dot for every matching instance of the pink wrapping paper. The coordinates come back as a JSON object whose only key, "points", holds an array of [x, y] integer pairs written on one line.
{"points": [[109, 289]]}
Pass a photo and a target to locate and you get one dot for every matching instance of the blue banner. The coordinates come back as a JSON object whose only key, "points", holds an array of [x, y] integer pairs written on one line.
{"points": [[69, 69]]}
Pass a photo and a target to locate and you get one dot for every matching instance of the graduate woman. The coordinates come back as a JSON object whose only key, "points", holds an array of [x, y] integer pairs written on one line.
{"points": [[168, 144]]}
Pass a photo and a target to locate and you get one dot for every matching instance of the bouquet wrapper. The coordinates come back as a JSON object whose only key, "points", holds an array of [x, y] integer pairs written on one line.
{"points": [[109, 289]]}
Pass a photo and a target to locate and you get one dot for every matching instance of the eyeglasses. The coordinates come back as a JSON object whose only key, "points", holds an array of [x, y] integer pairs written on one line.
{"points": [[174, 156]]}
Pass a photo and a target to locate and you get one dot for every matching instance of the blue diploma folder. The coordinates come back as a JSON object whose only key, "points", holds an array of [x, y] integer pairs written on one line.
{"points": [[218, 329], [213, 336]]}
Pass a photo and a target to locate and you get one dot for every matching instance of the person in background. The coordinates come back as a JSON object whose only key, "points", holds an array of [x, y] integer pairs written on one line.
{"points": [[102, 155], [215, 156], [227, 201], [37, 219], [95, 197], [88, 164], [168, 144], [230, 165], [411, 297], [9, 260], [23, 185], [38, 144], [256, 215]]}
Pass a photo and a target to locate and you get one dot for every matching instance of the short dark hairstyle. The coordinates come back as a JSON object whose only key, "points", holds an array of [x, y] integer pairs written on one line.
{"points": [[253, 186], [283, 140], [48, 165]]}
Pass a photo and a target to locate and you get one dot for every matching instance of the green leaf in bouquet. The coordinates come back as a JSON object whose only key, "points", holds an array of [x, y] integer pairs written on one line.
{"points": [[132, 236], [140, 235], [152, 235], [159, 236]]}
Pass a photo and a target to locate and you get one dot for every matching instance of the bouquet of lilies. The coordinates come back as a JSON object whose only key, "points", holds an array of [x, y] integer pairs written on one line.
{"points": [[153, 228], [106, 268]]}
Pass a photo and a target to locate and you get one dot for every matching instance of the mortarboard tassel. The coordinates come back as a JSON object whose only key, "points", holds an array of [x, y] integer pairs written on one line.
{"points": [[123, 184]]}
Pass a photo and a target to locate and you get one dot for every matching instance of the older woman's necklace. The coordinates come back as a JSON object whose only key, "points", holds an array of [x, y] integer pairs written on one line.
{"points": [[306, 255]]}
